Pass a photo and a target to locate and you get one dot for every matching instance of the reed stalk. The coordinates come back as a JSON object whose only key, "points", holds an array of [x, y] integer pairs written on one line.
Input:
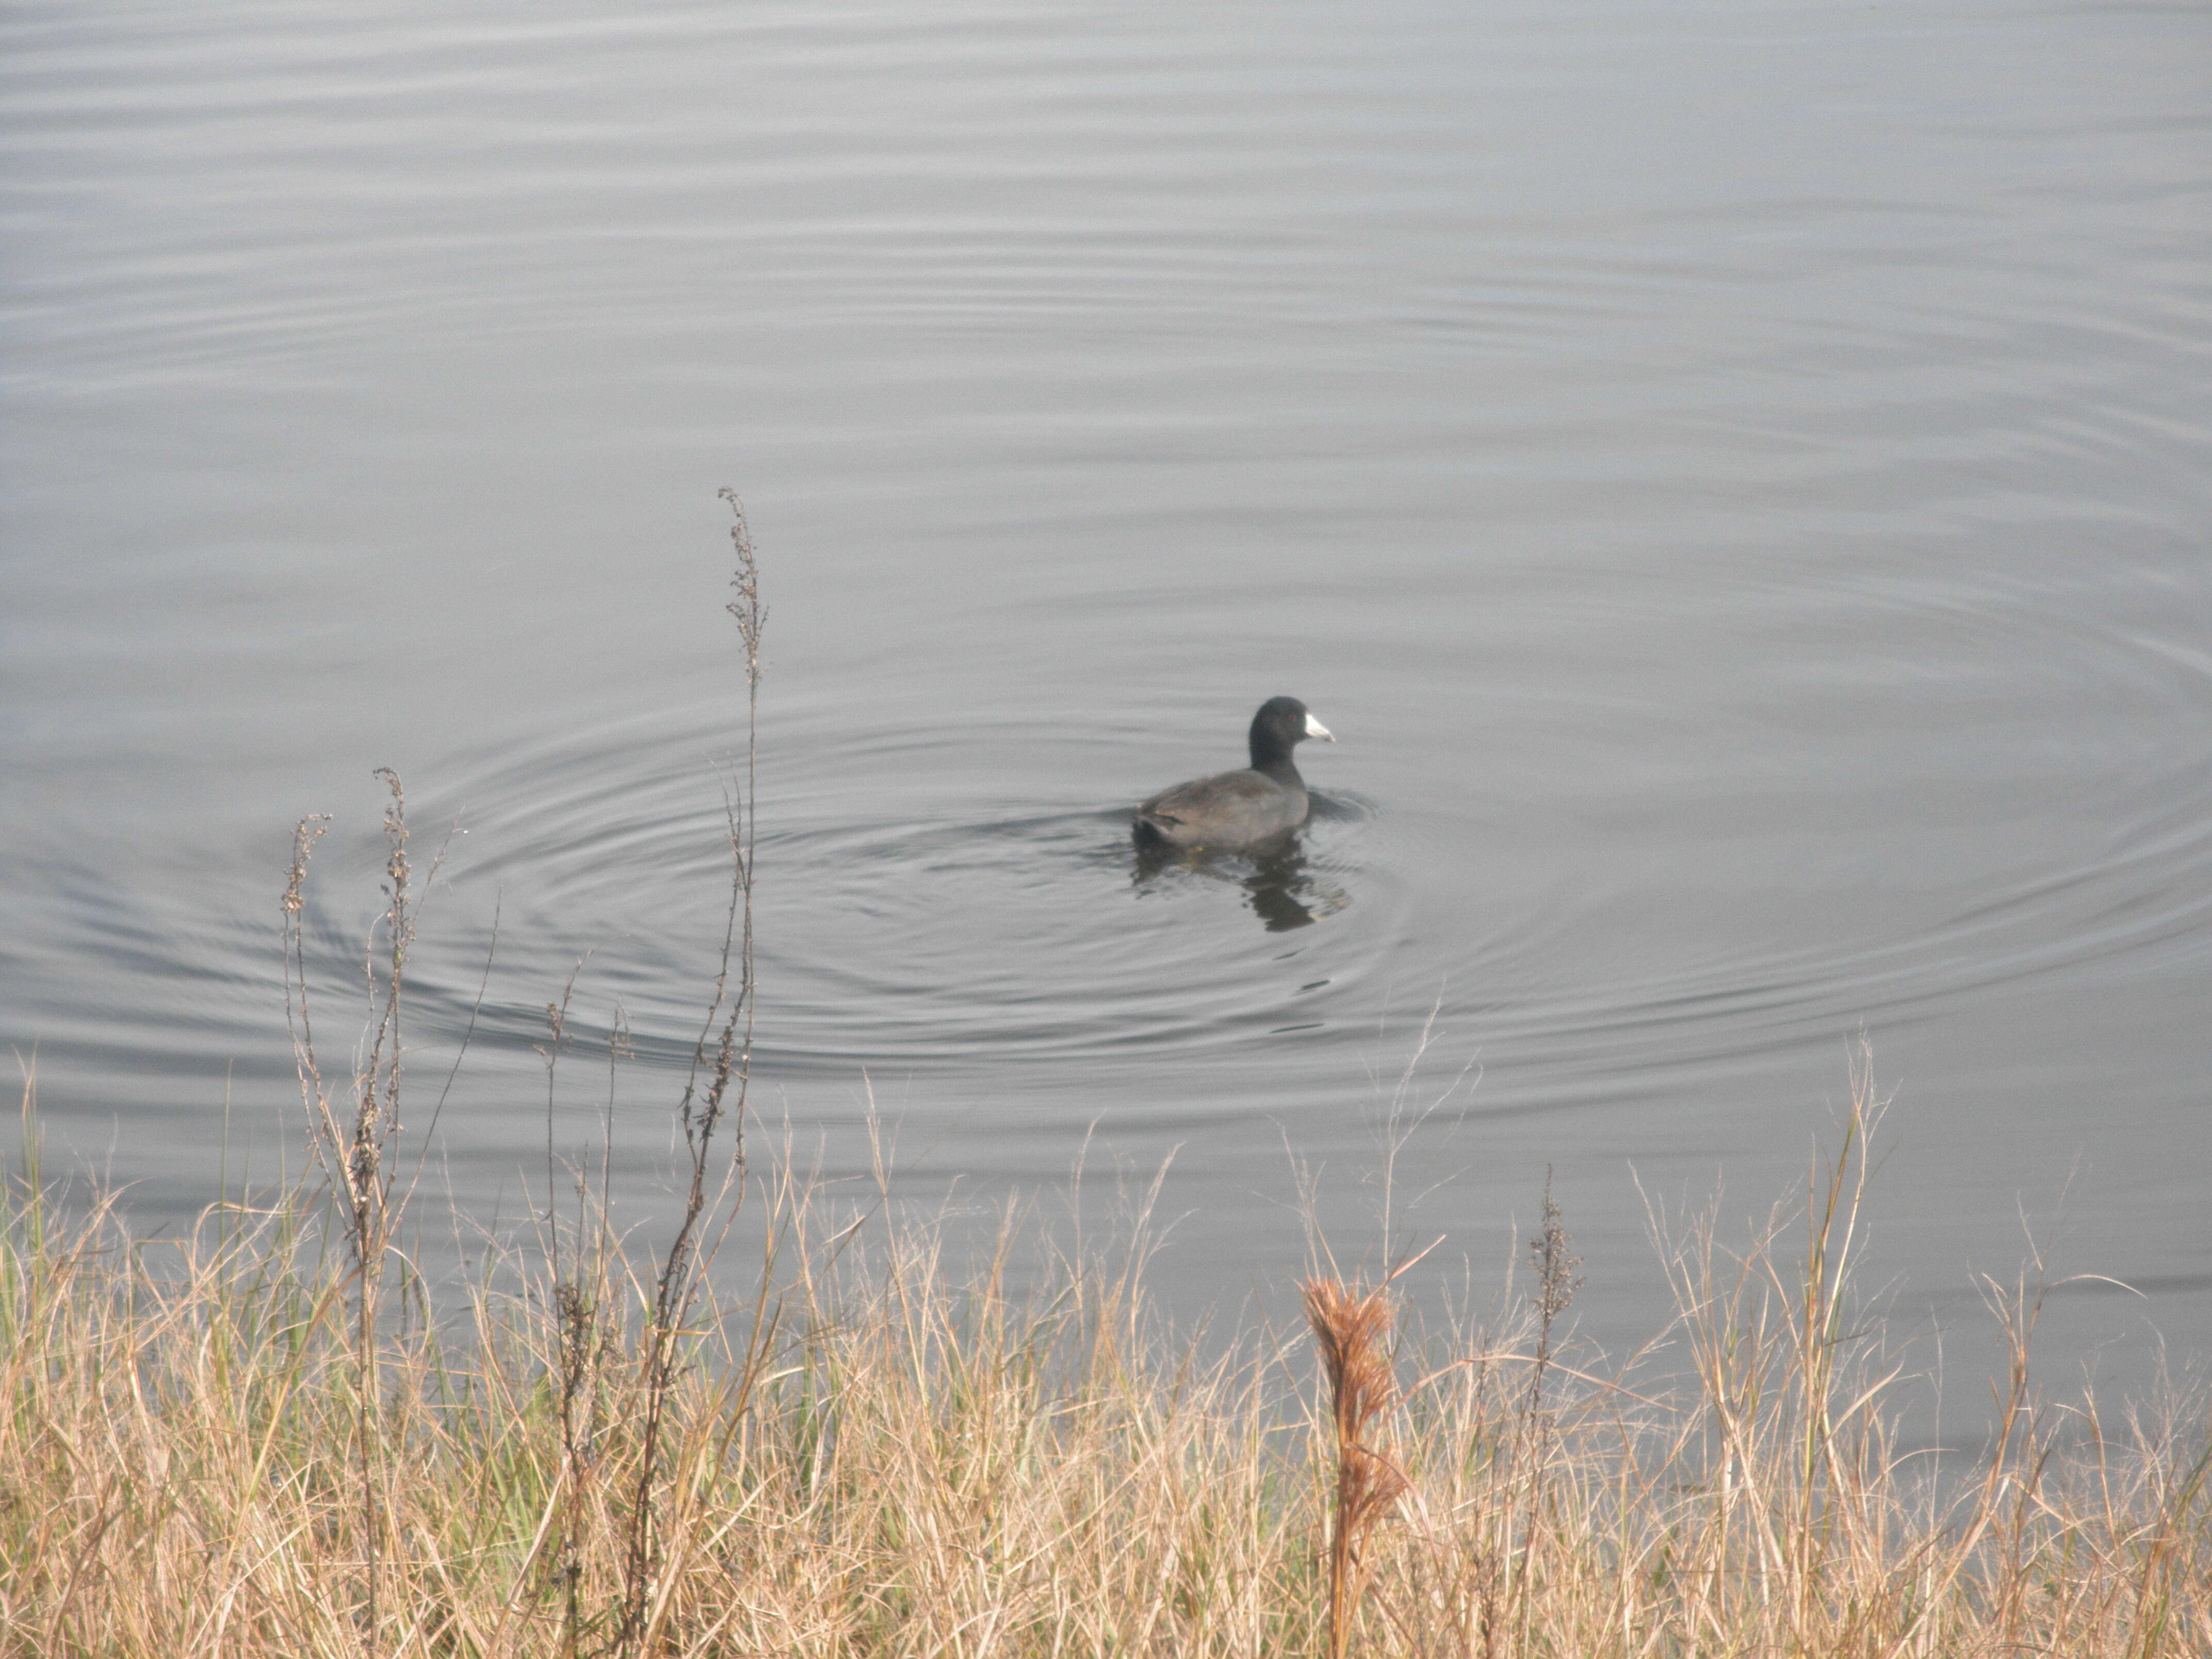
{"points": [[1352, 1332]]}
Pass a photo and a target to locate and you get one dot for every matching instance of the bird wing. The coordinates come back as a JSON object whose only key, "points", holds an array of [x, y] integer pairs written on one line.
{"points": [[1201, 795]]}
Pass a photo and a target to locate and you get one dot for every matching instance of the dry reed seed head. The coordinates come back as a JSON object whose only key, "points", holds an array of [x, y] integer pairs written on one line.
{"points": [[1352, 1329], [304, 835], [746, 608], [1367, 1484], [1550, 1258]]}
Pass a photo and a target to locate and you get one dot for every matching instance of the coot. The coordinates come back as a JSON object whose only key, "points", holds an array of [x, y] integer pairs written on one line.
{"points": [[1233, 810]]}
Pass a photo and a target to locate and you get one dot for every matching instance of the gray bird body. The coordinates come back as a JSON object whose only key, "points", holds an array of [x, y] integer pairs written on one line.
{"points": [[1233, 810], [1229, 809]]}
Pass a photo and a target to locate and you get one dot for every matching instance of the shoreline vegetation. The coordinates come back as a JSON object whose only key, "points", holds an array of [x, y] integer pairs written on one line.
{"points": [[269, 1438], [863, 1453]]}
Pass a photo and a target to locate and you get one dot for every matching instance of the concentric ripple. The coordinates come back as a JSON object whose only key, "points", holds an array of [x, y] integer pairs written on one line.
{"points": [[915, 908]]}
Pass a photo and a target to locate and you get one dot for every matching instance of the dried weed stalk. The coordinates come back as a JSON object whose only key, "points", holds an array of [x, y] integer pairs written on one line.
{"points": [[716, 1089], [1551, 1258]]}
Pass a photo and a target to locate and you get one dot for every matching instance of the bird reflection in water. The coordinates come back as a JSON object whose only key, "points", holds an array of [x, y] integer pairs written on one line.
{"points": [[1282, 890]]}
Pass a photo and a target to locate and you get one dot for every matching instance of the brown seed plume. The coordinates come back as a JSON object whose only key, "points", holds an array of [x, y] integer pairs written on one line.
{"points": [[1352, 1329]]}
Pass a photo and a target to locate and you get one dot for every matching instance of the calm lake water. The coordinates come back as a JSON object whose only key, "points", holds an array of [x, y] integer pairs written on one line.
{"points": [[1735, 478]]}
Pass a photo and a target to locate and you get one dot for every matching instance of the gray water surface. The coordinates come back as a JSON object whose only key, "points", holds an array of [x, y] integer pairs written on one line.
{"points": [[1735, 478]]}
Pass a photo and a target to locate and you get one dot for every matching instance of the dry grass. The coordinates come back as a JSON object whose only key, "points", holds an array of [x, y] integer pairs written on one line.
{"points": [[862, 1456]]}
